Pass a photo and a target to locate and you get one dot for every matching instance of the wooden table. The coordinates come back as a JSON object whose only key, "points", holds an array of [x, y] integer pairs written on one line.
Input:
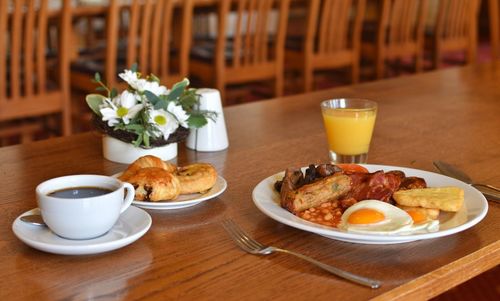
{"points": [[450, 115]]}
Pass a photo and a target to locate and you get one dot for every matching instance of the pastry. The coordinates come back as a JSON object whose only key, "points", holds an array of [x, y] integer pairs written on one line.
{"points": [[154, 184], [146, 161], [197, 177]]}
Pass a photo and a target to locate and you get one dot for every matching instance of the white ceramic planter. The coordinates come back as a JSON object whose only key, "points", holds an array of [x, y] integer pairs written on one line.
{"points": [[121, 152]]}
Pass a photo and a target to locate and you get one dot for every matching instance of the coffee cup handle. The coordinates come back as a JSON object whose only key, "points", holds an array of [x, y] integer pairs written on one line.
{"points": [[130, 196]]}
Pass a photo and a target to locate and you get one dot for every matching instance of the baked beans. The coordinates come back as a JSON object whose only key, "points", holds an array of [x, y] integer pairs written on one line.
{"points": [[327, 214]]}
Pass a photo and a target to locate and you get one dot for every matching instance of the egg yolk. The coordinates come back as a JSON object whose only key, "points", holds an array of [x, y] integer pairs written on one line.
{"points": [[365, 216], [417, 216]]}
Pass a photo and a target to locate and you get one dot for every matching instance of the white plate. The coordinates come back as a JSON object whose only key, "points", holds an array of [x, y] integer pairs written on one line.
{"points": [[474, 210], [184, 200], [132, 224]]}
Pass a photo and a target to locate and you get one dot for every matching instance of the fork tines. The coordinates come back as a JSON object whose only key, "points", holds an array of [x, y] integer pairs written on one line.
{"points": [[242, 239]]}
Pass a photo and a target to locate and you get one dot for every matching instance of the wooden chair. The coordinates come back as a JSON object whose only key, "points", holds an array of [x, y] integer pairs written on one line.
{"points": [[148, 28], [455, 30], [399, 34], [28, 93], [332, 39], [494, 15], [253, 52]]}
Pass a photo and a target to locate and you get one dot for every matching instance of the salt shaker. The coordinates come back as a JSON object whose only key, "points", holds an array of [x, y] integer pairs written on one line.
{"points": [[212, 136]]}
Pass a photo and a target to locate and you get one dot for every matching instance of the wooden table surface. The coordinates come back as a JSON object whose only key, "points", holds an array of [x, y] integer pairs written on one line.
{"points": [[450, 115]]}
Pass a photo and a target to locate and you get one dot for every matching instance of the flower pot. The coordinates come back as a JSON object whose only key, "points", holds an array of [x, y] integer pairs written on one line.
{"points": [[121, 152]]}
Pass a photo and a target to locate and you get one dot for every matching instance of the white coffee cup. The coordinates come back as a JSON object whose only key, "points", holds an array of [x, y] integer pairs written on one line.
{"points": [[212, 136], [86, 216]]}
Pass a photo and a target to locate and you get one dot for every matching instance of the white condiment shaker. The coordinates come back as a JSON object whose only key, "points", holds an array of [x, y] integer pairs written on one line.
{"points": [[212, 136]]}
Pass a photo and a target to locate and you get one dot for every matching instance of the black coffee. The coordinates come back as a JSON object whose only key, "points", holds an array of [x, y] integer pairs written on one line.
{"points": [[79, 192]]}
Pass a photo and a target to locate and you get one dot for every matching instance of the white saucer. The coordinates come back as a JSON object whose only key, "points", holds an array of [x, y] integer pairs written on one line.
{"points": [[132, 224]]}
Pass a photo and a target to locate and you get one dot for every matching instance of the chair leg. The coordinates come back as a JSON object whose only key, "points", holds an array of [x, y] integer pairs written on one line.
{"points": [[219, 85], [419, 63], [355, 73], [437, 58], [308, 79], [279, 85], [379, 68]]}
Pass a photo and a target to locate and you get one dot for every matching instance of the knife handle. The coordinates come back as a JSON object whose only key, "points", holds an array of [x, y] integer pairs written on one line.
{"points": [[490, 194], [486, 186]]}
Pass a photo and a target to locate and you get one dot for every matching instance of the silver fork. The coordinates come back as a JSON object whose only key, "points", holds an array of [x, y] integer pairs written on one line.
{"points": [[252, 246]]}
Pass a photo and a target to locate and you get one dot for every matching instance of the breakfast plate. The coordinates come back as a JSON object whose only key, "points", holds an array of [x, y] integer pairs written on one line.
{"points": [[184, 200], [132, 224], [474, 210]]}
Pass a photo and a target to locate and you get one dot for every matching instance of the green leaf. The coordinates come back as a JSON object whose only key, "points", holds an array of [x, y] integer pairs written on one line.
{"points": [[97, 77], [196, 120], [94, 101], [146, 139], [188, 100], [178, 89], [135, 127], [155, 100], [113, 93], [138, 141], [134, 67], [100, 88]]}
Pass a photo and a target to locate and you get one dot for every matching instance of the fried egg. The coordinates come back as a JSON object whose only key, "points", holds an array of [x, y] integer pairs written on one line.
{"points": [[377, 217]]}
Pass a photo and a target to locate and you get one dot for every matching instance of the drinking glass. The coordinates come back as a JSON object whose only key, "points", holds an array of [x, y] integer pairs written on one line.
{"points": [[349, 126]]}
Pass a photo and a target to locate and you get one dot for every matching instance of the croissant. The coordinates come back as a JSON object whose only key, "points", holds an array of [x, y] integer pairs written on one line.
{"points": [[146, 161]]}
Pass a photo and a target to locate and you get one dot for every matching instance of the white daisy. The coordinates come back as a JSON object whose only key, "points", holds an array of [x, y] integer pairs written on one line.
{"points": [[163, 121], [124, 107], [130, 77], [153, 87], [179, 113]]}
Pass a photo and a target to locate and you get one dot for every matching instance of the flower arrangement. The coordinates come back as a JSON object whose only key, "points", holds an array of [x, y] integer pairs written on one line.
{"points": [[147, 114]]}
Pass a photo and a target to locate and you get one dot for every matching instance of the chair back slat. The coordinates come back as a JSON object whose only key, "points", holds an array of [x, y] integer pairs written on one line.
{"points": [[155, 36], [23, 55], [28, 48], [145, 38], [402, 26], [149, 31], [455, 29], [255, 30], [41, 46], [165, 37], [405, 21], [26, 90], [335, 22], [3, 50], [238, 28], [133, 29], [494, 16], [454, 18], [15, 49], [336, 25]]}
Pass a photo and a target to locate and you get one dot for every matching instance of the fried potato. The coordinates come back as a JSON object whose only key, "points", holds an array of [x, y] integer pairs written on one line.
{"points": [[442, 198]]}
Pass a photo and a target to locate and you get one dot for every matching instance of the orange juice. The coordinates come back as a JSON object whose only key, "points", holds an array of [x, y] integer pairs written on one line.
{"points": [[349, 131], [349, 126]]}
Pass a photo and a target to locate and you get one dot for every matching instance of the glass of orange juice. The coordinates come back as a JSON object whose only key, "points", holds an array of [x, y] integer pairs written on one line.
{"points": [[349, 126]]}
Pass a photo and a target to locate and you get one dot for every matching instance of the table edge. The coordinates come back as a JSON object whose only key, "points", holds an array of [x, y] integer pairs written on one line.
{"points": [[447, 276]]}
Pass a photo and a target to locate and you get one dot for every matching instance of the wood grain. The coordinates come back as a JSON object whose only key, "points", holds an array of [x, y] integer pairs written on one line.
{"points": [[449, 115]]}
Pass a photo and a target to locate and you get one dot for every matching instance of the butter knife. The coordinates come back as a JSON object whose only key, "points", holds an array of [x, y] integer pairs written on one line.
{"points": [[489, 191]]}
